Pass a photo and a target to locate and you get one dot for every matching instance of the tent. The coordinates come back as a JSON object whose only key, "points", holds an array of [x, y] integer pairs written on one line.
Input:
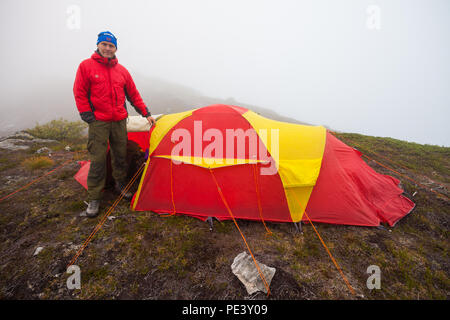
{"points": [[211, 161]]}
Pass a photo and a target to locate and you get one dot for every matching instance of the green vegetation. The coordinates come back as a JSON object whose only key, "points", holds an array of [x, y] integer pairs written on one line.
{"points": [[61, 130], [38, 162], [429, 160], [6, 163], [142, 255]]}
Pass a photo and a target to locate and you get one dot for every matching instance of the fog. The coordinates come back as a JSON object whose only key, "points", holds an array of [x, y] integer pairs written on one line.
{"points": [[373, 67]]}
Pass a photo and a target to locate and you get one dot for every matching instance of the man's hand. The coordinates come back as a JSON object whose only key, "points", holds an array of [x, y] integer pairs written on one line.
{"points": [[151, 121], [87, 116]]}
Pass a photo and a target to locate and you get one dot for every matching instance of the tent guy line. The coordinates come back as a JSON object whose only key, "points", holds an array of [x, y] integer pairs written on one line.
{"points": [[239, 229], [44, 175], [395, 171], [329, 177], [110, 210]]}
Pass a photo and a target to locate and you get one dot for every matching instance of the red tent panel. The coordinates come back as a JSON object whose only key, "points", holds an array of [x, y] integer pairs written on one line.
{"points": [[196, 194], [82, 174], [348, 191]]}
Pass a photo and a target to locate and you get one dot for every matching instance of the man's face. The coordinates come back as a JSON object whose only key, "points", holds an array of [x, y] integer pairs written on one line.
{"points": [[107, 49]]}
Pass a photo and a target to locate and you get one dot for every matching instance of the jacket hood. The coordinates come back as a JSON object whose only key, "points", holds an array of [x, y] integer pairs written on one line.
{"points": [[106, 61]]}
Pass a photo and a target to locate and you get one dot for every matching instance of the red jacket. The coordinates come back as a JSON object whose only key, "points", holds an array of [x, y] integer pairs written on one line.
{"points": [[100, 88]]}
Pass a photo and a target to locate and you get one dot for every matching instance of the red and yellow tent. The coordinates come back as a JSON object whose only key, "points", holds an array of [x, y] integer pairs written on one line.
{"points": [[314, 172]]}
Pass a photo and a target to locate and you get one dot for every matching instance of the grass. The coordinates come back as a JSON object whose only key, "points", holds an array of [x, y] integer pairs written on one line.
{"points": [[422, 159], [142, 255], [6, 163], [38, 162]]}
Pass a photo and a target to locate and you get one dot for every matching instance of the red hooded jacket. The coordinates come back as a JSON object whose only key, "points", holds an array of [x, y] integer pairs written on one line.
{"points": [[100, 88]]}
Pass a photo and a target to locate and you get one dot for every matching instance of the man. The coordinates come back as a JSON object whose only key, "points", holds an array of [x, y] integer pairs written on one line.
{"points": [[100, 88]]}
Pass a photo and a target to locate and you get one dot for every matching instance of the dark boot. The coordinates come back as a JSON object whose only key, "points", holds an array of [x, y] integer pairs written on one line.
{"points": [[120, 189]]}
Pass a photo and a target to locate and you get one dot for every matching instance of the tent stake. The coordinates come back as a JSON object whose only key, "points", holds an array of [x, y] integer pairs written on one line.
{"points": [[210, 221], [298, 227], [381, 227]]}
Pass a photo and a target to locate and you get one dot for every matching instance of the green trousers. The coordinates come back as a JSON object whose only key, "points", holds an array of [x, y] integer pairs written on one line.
{"points": [[100, 133]]}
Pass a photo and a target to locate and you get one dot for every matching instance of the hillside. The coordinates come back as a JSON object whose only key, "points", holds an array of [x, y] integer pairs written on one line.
{"points": [[141, 255], [55, 100]]}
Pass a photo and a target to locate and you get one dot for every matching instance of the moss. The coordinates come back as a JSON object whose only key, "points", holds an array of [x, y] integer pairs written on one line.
{"points": [[224, 227], [46, 257], [6, 163], [144, 223], [99, 286], [65, 174], [120, 227], [96, 274], [76, 205]]}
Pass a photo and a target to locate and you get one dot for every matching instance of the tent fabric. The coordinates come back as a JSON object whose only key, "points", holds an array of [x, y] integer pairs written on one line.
{"points": [[209, 162], [82, 174], [139, 123], [196, 195], [165, 123], [300, 153], [300, 147], [349, 191], [317, 173], [141, 138]]}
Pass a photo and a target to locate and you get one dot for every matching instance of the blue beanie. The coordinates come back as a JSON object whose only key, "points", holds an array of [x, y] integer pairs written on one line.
{"points": [[108, 37]]}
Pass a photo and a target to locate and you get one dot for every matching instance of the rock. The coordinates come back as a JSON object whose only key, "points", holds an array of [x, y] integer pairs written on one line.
{"points": [[245, 269], [21, 141], [10, 144], [37, 140], [19, 135], [23, 135], [74, 247], [43, 150], [70, 249], [38, 249], [13, 179]]}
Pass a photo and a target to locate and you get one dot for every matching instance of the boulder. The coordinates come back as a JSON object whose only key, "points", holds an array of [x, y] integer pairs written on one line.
{"points": [[10, 144]]}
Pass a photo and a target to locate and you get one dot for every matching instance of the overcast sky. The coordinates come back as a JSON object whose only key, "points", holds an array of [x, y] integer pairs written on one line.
{"points": [[373, 67]]}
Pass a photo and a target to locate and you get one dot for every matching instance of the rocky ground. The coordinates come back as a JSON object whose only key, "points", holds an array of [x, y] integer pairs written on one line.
{"points": [[141, 255]]}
